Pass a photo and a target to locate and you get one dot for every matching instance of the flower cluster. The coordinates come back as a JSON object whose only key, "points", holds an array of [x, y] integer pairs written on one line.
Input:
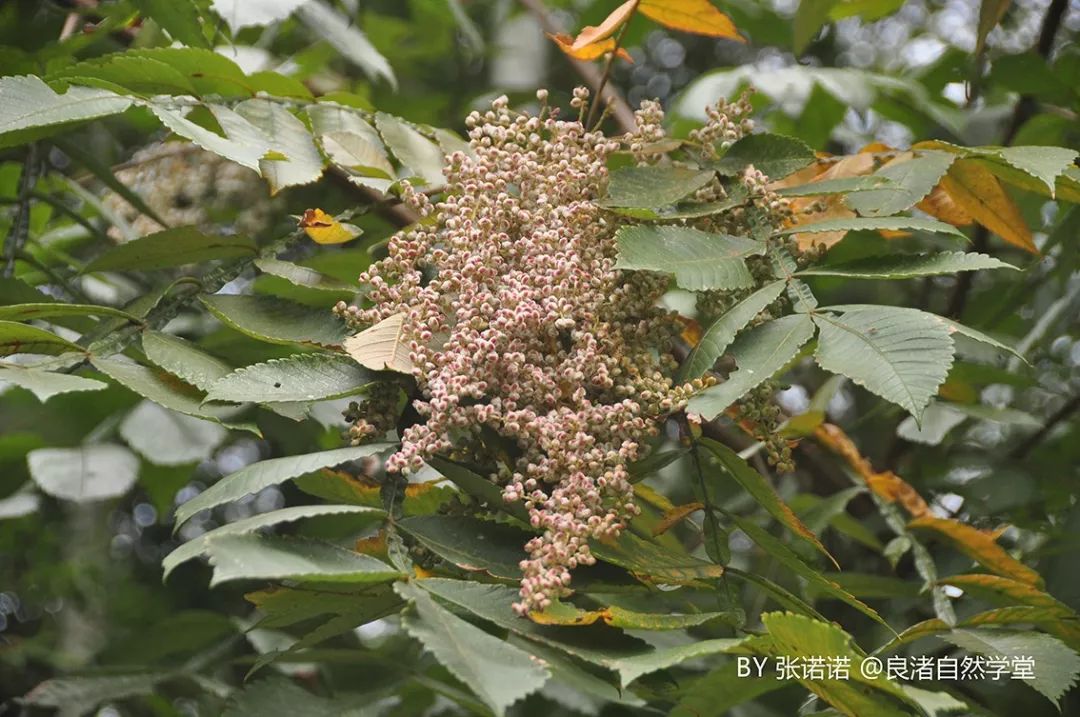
{"points": [[188, 186], [519, 323]]}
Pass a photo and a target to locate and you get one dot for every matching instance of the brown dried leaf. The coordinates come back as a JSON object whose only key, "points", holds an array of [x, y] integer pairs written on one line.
{"points": [[381, 347], [595, 33]]}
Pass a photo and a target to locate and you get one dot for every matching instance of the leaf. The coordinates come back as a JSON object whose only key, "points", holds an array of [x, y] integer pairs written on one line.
{"points": [[909, 266], [761, 491], [239, 14], [16, 338], [775, 155], [631, 668], [359, 153], [902, 355], [79, 695], [19, 505], [88, 473], [277, 321], [135, 74], [302, 377], [347, 39], [162, 388], [977, 191], [46, 384], [382, 347], [591, 51], [651, 187], [255, 477], [1054, 666], [179, 18], [979, 546], [719, 690], [171, 247], [821, 187], [243, 143], [912, 176], [304, 277], [590, 34], [759, 354], [325, 229], [722, 332], [302, 163], [810, 17], [698, 260], [29, 109], [183, 359], [875, 224], [1046, 164], [189, 439], [211, 73], [280, 695], [936, 422], [478, 487], [200, 545], [44, 310], [990, 14], [652, 562], [697, 16], [471, 544], [417, 153], [262, 557]]}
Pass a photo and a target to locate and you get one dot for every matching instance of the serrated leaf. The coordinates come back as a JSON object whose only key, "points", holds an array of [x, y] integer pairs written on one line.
{"points": [[277, 321], [719, 690], [477, 486], [183, 359], [902, 355], [697, 259], [171, 247], [274, 471], [652, 562], [592, 34], [697, 16], [979, 546], [911, 177], [1043, 163], [88, 473], [239, 14], [199, 545], [470, 543], [179, 18], [841, 185], [29, 109], [263, 557], [759, 489], [651, 187], [326, 229], [852, 224], [721, 333], [347, 39], [16, 338], [46, 310], [210, 72], [46, 384], [382, 347], [243, 143], [78, 695], [281, 695], [631, 668], [303, 276], [977, 191], [358, 153], [759, 354], [417, 153], [1054, 668], [909, 266], [160, 387], [302, 163], [500, 674], [143, 75], [189, 439], [302, 377], [775, 155]]}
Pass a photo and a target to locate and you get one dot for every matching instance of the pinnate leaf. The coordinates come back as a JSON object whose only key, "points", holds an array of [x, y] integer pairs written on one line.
{"points": [[722, 332], [302, 377], [909, 266], [263, 557], [171, 247], [382, 347], [698, 260]]}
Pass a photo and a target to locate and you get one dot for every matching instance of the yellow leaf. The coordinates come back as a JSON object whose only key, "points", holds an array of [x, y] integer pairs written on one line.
{"points": [[697, 16], [596, 33], [939, 204], [980, 547], [675, 516], [589, 52], [325, 229], [978, 192], [381, 347]]}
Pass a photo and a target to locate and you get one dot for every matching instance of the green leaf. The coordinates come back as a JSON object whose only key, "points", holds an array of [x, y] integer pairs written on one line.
{"points": [[46, 384], [902, 355], [470, 543], [171, 247], [990, 14], [417, 153], [211, 73], [160, 387], [775, 155], [631, 668], [1043, 163], [842, 185], [304, 277], [911, 179], [1055, 666], [478, 487], [29, 109], [79, 695], [16, 338], [759, 354], [784, 555], [239, 14], [909, 266], [342, 33], [263, 557], [45, 310], [653, 187], [500, 674], [699, 260], [721, 689], [653, 562], [179, 18], [875, 224], [88, 473], [302, 377], [288, 136], [189, 439], [182, 358], [277, 321], [281, 695], [140, 75], [759, 488], [199, 545], [718, 337], [243, 142], [809, 19], [274, 471]]}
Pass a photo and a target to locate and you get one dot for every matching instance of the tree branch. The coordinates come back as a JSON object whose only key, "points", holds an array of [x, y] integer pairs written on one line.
{"points": [[20, 225], [1071, 406]]}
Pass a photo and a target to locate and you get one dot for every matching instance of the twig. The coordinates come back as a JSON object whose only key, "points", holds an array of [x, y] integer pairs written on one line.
{"points": [[608, 67], [624, 116], [1071, 406], [20, 226]]}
